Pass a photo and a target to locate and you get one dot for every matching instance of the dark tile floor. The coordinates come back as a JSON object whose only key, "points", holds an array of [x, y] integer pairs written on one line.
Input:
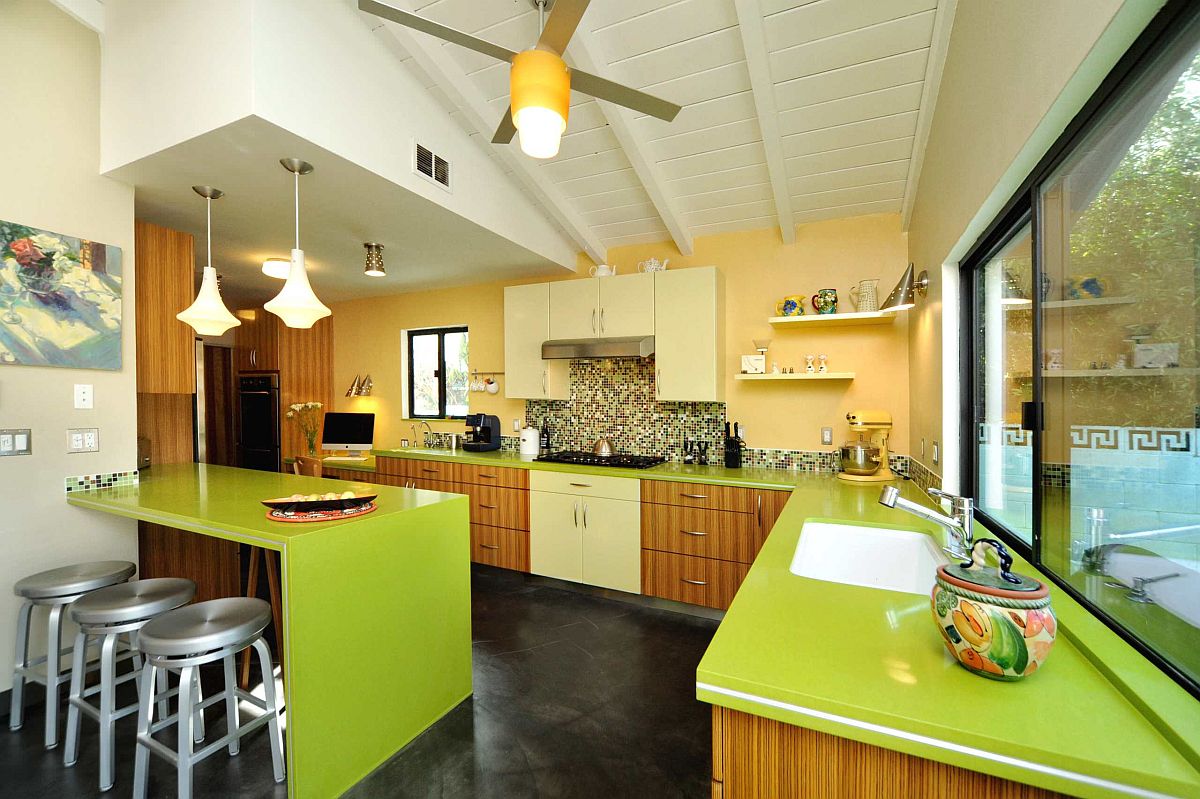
{"points": [[575, 696]]}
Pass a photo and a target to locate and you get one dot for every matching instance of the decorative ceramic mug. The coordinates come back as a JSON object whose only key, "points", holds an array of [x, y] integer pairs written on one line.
{"points": [[1086, 287], [996, 624], [793, 305], [825, 301]]}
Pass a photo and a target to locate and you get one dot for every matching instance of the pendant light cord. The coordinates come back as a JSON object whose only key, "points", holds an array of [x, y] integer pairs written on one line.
{"points": [[208, 205], [296, 175], [541, 16]]}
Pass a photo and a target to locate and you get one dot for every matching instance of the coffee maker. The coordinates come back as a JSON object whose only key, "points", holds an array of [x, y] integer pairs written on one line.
{"points": [[483, 433]]}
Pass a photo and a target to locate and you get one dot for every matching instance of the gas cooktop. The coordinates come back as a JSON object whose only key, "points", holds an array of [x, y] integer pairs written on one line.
{"points": [[588, 459]]}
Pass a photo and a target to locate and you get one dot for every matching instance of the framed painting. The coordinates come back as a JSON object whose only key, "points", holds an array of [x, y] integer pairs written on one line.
{"points": [[60, 300]]}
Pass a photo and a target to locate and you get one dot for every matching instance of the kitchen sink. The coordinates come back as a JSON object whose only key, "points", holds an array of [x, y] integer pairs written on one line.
{"points": [[872, 557]]}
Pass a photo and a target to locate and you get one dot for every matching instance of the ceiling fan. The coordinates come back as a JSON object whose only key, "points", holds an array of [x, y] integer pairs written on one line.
{"points": [[540, 82]]}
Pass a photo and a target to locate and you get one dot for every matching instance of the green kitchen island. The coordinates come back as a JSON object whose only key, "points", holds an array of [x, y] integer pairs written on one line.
{"points": [[376, 610]]}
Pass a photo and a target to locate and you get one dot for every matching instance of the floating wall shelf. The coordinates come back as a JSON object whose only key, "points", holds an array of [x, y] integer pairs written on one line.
{"points": [[1179, 371], [1096, 302], [834, 319], [799, 376]]}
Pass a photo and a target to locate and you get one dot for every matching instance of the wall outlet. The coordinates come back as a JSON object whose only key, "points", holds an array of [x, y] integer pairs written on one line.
{"points": [[84, 397], [827, 435], [936, 453], [922, 447], [16, 442], [83, 439]]}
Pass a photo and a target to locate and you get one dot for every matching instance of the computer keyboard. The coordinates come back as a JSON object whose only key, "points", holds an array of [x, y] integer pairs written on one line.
{"points": [[343, 458]]}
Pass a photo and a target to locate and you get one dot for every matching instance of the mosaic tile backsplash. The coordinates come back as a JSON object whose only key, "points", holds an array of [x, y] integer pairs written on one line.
{"points": [[91, 482]]}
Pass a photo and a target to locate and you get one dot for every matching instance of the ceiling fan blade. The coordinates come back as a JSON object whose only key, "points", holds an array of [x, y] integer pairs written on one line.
{"points": [[410, 20], [506, 130], [560, 26], [604, 89]]}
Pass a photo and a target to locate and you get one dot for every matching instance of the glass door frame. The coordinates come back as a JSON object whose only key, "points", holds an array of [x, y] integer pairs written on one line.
{"points": [[1176, 19]]}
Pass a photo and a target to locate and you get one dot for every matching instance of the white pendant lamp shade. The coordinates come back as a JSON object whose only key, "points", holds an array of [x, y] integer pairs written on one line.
{"points": [[296, 304], [208, 315]]}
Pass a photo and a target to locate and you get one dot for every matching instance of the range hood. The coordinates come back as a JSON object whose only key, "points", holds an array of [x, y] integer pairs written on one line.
{"points": [[631, 347]]}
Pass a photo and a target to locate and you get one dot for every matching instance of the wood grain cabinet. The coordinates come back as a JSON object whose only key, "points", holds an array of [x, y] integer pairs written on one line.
{"points": [[526, 328], [698, 541], [256, 341], [165, 285]]}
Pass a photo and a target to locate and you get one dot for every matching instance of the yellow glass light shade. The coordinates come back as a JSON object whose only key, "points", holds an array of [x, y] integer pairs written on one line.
{"points": [[278, 268], [208, 315], [296, 304], [540, 88]]}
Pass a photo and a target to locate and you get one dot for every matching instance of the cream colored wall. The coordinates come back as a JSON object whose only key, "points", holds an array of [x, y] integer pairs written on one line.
{"points": [[1016, 73], [759, 270], [49, 160]]}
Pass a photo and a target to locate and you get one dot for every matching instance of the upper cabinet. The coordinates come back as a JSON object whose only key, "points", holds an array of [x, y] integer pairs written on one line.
{"points": [[689, 334], [256, 341], [602, 307], [165, 285], [526, 327]]}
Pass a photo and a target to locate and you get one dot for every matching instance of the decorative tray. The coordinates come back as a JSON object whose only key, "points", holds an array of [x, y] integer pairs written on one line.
{"points": [[287, 514], [332, 500]]}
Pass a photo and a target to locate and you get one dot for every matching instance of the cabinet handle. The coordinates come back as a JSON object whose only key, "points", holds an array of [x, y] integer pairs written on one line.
{"points": [[658, 383], [582, 485], [488, 476], [427, 469], [576, 513], [489, 546], [544, 392], [695, 496], [760, 511], [254, 357], [593, 320], [488, 507], [694, 582], [601, 320], [585, 515], [692, 532]]}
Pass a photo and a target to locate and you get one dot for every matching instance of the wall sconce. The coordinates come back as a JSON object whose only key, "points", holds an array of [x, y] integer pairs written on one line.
{"points": [[361, 387], [1014, 294], [374, 265], [904, 296]]}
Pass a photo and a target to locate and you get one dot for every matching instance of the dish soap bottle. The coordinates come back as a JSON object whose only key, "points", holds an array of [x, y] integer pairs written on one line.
{"points": [[545, 441]]}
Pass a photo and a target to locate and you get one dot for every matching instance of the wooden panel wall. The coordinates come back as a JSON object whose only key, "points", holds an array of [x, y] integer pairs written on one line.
{"points": [[165, 285], [166, 419], [212, 563], [759, 757], [219, 400], [305, 374]]}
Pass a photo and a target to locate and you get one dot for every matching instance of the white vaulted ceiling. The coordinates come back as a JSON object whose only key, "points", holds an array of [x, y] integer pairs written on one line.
{"points": [[792, 111]]}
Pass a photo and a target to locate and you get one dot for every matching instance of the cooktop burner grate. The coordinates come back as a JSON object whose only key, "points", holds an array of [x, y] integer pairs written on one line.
{"points": [[589, 459]]}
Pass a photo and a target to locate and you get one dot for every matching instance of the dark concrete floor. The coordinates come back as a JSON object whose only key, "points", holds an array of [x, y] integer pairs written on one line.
{"points": [[575, 696]]}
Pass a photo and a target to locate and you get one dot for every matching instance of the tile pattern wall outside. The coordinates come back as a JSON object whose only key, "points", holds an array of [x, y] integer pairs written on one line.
{"points": [[91, 482]]}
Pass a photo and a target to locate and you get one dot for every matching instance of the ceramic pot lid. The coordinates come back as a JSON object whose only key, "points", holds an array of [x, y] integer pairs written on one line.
{"points": [[976, 576]]}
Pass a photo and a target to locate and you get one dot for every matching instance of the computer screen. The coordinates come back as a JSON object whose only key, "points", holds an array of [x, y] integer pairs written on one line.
{"points": [[352, 431]]}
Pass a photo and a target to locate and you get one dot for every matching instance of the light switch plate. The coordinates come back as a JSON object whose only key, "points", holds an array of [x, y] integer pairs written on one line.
{"points": [[16, 442], [83, 439], [826, 435], [936, 453], [84, 397]]}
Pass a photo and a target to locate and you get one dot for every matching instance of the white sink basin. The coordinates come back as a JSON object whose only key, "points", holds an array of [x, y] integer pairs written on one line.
{"points": [[872, 557]]}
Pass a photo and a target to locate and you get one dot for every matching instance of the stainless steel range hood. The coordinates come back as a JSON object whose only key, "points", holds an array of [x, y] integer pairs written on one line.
{"points": [[632, 347]]}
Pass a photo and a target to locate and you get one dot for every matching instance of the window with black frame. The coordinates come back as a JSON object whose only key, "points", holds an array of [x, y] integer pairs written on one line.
{"points": [[1085, 351], [437, 373]]}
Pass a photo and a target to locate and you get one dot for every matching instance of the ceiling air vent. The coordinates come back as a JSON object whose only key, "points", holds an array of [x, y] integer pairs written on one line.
{"points": [[432, 166]]}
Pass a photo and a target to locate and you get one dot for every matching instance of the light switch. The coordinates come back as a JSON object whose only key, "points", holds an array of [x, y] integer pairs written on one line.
{"points": [[21, 441], [826, 435], [6, 443], [936, 453], [83, 396], [15, 442]]}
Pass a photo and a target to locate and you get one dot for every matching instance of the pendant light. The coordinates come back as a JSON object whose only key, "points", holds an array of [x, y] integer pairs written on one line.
{"points": [[208, 315], [540, 89], [296, 304], [278, 268], [374, 264]]}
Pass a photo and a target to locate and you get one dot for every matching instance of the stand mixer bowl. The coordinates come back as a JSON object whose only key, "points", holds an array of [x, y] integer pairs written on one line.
{"points": [[860, 458]]}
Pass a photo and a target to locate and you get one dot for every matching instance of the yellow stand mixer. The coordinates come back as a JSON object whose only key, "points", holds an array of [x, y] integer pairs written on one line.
{"points": [[866, 461]]}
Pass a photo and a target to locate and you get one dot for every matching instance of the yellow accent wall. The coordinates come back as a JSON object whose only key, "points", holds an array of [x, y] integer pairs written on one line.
{"points": [[759, 270]]}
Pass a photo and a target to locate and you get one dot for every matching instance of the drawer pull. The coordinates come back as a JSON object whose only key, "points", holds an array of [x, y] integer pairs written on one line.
{"points": [[489, 546], [694, 582], [695, 496], [692, 532], [582, 485], [489, 507], [427, 469], [488, 476]]}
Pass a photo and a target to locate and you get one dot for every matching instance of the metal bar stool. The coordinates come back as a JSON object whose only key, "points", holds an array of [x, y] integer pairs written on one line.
{"points": [[185, 639], [109, 614], [54, 589]]}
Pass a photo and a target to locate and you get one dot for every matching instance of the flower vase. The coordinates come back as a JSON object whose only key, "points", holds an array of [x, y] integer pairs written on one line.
{"points": [[311, 439]]}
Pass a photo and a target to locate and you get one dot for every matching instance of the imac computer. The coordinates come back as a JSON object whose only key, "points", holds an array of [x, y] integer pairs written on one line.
{"points": [[354, 432]]}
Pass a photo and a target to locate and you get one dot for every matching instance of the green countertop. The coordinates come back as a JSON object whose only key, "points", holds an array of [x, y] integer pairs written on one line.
{"points": [[676, 472], [1097, 721], [224, 501]]}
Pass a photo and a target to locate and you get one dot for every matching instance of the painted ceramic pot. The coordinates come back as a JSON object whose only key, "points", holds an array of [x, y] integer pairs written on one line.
{"points": [[793, 305], [825, 301], [995, 623], [1086, 287]]}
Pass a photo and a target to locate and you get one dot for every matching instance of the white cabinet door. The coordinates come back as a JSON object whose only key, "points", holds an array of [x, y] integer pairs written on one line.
{"points": [[627, 306], [556, 535], [526, 327], [574, 311], [612, 543], [689, 334]]}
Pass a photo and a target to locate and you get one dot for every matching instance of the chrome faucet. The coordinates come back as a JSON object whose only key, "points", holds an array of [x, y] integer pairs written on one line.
{"points": [[428, 437], [1137, 591], [958, 523]]}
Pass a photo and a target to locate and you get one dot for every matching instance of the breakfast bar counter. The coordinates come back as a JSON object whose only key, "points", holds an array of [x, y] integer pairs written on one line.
{"points": [[376, 609]]}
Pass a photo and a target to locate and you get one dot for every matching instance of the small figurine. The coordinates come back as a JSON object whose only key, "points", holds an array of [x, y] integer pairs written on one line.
{"points": [[774, 367], [824, 367], [808, 364], [1122, 362], [1054, 359]]}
